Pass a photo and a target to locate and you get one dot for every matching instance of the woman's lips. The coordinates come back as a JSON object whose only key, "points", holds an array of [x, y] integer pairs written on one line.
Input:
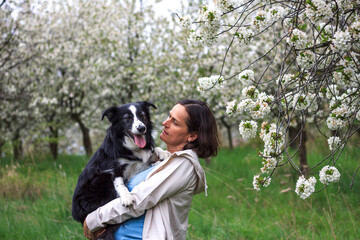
{"points": [[165, 132]]}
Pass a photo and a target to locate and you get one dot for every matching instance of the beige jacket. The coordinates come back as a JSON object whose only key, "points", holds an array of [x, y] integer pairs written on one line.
{"points": [[166, 194]]}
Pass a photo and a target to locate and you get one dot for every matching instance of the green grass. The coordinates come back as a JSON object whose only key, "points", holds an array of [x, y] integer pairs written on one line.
{"points": [[35, 201], [46, 215]]}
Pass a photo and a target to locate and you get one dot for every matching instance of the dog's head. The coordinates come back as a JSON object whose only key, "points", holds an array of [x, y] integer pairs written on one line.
{"points": [[131, 124]]}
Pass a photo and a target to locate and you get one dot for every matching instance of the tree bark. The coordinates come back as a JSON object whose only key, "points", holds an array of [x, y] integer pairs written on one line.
{"points": [[2, 143], [86, 135], [17, 145], [228, 130], [293, 139], [297, 140], [302, 152], [53, 143]]}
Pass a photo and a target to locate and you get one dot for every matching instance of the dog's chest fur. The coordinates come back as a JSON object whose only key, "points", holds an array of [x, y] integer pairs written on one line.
{"points": [[133, 167]]}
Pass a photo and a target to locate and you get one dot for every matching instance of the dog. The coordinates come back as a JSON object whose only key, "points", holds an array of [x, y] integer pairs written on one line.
{"points": [[128, 148]]}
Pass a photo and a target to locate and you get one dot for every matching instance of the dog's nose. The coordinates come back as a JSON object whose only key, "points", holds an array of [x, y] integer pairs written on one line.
{"points": [[141, 129]]}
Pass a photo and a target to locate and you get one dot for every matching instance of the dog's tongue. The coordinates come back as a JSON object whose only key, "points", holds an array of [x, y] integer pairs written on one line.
{"points": [[140, 141]]}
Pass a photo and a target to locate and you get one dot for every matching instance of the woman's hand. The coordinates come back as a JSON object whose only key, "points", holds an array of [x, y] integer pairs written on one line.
{"points": [[92, 235]]}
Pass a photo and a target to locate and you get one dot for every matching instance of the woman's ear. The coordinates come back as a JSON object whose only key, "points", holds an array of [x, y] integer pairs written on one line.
{"points": [[193, 136]]}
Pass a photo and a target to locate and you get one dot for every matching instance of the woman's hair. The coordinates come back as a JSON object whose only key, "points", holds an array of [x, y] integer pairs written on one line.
{"points": [[202, 121]]}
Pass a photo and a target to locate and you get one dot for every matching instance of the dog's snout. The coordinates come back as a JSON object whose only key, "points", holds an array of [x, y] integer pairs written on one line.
{"points": [[141, 129]]}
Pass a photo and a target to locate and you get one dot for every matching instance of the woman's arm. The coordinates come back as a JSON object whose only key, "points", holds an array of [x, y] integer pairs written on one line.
{"points": [[176, 176]]}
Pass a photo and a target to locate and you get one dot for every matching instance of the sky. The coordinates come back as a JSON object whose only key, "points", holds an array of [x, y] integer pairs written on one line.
{"points": [[166, 7], [161, 7]]}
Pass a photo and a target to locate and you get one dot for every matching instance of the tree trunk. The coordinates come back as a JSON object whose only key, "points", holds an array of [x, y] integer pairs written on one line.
{"points": [[293, 140], [86, 135], [302, 152], [2, 143], [17, 145], [228, 130], [53, 143]]}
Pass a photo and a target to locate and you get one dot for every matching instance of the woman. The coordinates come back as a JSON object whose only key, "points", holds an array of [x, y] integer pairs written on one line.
{"points": [[165, 196]]}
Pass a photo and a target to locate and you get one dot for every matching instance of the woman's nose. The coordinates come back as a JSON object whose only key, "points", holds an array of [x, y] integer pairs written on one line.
{"points": [[165, 123]]}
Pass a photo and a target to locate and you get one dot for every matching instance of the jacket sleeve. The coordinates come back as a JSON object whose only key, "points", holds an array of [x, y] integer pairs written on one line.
{"points": [[174, 178]]}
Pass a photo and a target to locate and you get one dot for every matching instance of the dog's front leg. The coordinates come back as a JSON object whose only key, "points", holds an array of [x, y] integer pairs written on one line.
{"points": [[122, 191], [161, 154]]}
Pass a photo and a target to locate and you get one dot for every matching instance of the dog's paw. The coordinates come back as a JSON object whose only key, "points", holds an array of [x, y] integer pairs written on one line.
{"points": [[126, 199], [161, 154]]}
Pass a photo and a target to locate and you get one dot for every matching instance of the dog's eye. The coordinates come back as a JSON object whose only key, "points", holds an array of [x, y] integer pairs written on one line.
{"points": [[127, 117], [142, 115]]}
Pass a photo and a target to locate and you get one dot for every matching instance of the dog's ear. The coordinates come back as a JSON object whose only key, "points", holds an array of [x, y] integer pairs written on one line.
{"points": [[110, 113], [147, 104]]}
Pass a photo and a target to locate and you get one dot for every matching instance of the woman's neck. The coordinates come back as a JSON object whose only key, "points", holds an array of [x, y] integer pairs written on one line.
{"points": [[173, 149]]}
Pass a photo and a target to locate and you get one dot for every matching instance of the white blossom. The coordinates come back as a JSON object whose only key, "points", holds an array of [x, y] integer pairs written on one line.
{"points": [[247, 77], [298, 39], [273, 138], [341, 41], [327, 30], [201, 37], [334, 123], [332, 91], [302, 101], [260, 182], [306, 59], [248, 129], [354, 30], [342, 111], [186, 21], [225, 5], [209, 24], [260, 109], [334, 142], [269, 164], [266, 128], [347, 4], [304, 188], [250, 92], [275, 14], [260, 22], [329, 174], [318, 10], [345, 76], [265, 97], [286, 79], [214, 81], [245, 35], [265, 18], [231, 107], [245, 105]]}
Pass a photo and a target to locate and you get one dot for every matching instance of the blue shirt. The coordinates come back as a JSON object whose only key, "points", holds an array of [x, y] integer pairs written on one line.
{"points": [[133, 228]]}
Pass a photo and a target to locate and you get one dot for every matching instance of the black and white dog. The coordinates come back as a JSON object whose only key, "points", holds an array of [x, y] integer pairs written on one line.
{"points": [[127, 149]]}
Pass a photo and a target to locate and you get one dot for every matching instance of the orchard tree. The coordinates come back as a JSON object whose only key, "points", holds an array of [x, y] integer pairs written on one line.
{"points": [[17, 52], [307, 74]]}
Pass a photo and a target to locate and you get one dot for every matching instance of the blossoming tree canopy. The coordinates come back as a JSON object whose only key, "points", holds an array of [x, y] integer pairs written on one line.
{"points": [[64, 62], [306, 71]]}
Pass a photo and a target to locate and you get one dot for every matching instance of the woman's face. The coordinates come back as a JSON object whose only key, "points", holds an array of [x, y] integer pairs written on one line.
{"points": [[175, 133]]}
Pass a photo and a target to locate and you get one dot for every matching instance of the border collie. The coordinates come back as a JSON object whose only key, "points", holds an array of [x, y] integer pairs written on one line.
{"points": [[127, 149]]}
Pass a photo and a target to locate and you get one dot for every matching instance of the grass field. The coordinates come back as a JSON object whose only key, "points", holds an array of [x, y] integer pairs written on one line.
{"points": [[35, 201]]}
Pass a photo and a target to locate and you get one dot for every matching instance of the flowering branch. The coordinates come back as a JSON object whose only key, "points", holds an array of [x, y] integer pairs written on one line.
{"points": [[311, 78]]}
